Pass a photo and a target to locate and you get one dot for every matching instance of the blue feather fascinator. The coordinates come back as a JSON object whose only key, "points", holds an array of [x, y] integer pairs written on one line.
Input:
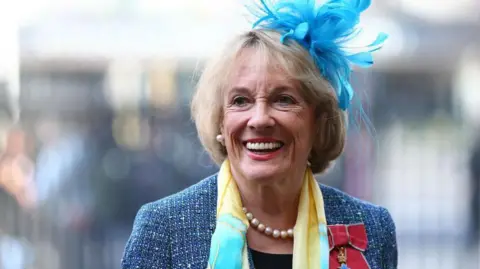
{"points": [[324, 30]]}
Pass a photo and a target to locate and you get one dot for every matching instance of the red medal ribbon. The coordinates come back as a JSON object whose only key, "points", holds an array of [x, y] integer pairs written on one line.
{"points": [[347, 244]]}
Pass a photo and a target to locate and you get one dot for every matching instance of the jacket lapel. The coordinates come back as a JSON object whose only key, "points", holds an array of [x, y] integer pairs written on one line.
{"points": [[338, 210], [212, 216]]}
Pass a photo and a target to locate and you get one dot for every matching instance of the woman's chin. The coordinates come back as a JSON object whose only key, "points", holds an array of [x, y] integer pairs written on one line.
{"points": [[263, 172]]}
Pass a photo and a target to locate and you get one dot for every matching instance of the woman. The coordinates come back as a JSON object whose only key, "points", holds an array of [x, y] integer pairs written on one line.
{"points": [[271, 111]]}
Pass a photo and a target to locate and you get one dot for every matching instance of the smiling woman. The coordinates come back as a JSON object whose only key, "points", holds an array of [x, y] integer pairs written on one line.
{"points": [[264, 104], [289, 84], [271, 111]]}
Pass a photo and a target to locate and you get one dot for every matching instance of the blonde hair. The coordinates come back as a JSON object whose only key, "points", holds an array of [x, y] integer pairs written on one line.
{"points": [[207, 102]]}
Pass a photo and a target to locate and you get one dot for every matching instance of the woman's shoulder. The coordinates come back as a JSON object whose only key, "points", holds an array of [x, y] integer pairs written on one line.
{"points": [[340, 205], [175, 216], [342, 208], [200, 196]]}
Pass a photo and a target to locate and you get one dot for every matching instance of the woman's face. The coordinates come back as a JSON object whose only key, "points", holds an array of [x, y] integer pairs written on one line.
{"points": [[268, 126]]}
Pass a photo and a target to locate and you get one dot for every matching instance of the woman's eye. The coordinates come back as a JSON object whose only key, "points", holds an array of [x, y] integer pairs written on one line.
{"points": [[285, 100], [240, 101]]}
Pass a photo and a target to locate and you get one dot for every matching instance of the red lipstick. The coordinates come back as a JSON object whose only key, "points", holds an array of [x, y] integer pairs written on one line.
{"points": [[262, 140]]}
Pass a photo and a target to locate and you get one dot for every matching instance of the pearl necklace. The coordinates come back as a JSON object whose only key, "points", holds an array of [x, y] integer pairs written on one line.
{"points": [[267, 230]]}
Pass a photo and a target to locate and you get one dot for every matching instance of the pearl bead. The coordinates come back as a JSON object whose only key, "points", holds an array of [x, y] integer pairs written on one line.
{"points": [[290, 232], [276, 233]]}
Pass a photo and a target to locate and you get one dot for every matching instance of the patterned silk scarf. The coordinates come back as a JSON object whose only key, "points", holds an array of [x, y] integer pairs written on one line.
{"points": [[228, 249]]}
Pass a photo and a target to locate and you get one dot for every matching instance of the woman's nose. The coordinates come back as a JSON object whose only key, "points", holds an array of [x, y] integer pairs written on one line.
{"points": [[261, 117]]}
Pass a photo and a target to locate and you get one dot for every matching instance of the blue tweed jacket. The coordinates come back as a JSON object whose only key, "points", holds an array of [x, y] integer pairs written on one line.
{"points": [[175, 232]]}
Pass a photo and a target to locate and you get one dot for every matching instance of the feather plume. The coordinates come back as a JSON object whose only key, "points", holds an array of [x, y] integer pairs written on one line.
{"points": [[324, 31]]}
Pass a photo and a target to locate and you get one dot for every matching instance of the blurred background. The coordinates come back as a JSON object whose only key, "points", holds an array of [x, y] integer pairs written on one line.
{"points": [[94, 122]]}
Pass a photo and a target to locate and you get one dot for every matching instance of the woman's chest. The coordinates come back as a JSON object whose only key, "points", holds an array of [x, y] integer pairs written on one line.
{"points": [[195, 256]]}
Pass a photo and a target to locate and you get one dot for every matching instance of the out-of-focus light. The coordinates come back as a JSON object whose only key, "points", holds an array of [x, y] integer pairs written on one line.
{"points": [[10, 17], [27, 12], [441, 11], [196, 8], [393, 47], [163, 90], [131, 132], [123, 87], [466, 80]]}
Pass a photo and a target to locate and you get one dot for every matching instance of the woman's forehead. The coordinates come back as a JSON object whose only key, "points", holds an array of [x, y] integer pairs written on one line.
{"points": [[252, 65]]}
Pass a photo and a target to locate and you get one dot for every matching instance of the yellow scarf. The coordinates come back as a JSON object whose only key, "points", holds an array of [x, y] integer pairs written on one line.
{"points": [[228, 248]]}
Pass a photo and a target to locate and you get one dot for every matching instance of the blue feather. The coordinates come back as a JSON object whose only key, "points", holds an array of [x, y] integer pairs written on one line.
{"points": [[381, 38], [362, 5], [301, 31], [324, 31], [285, 36], [377, 44], [363, 59]]}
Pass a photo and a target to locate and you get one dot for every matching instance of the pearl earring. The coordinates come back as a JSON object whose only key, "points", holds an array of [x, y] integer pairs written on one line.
{"points": [[220, 138]]}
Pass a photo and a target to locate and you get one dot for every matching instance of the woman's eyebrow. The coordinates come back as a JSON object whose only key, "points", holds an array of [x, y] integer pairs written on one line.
{"points": [[237, 90], [280, 89]]}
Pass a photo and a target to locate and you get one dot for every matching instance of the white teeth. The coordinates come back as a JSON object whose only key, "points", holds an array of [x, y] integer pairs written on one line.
{"points": [[263, 146]]}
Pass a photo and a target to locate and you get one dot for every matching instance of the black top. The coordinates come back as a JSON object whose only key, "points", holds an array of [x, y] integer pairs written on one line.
{"points": [[263, 260]]}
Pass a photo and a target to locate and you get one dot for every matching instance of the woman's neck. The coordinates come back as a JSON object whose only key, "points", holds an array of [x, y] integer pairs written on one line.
{"points": [[274, 204]]}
